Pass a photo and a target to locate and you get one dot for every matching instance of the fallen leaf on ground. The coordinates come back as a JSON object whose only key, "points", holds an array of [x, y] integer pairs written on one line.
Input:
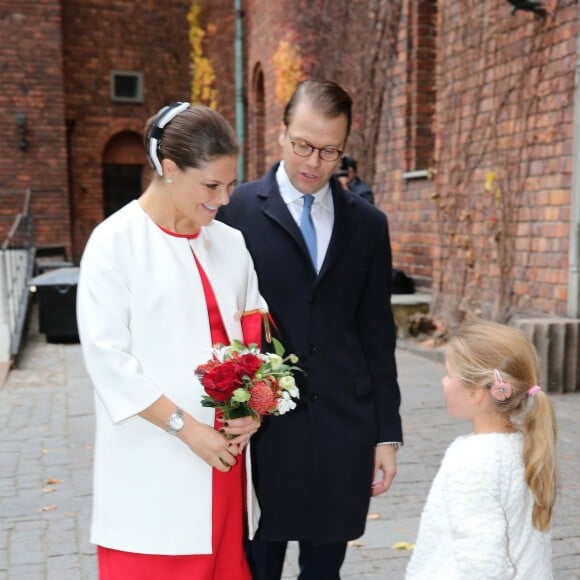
{"points": [[47, 489], [373, 517], [355, 544], [52, 481], [48, 508], [403, 546]]}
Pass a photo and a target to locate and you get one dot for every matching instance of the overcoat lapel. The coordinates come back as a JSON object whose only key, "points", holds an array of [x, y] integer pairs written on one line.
{"points": [[344, 221], [274, 207]]}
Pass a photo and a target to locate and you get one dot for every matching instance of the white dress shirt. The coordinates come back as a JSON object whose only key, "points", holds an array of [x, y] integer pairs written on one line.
{"points": [[322, 210]]}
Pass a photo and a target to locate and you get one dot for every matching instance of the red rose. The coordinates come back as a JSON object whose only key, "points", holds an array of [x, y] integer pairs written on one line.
{"points": [[203, 369], [250, 363], [221, 381]]}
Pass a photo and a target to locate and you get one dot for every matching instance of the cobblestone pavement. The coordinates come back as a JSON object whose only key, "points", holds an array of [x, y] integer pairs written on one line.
{"points": [[46, 433]]}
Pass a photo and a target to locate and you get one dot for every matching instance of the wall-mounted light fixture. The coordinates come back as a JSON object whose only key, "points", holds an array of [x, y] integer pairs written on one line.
{"points": [[20, 119]]}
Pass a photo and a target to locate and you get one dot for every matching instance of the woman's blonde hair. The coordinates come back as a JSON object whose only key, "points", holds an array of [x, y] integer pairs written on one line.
{"points": [[474, 352]]}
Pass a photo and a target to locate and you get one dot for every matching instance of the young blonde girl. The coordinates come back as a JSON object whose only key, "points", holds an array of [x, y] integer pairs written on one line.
{"points": [[489, 509]]}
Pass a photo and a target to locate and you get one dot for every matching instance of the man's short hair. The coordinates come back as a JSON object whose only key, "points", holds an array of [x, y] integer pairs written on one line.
{"points": [[326, 96]]}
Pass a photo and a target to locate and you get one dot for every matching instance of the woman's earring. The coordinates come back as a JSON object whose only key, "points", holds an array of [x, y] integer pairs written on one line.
{"points": [[169, 179]]}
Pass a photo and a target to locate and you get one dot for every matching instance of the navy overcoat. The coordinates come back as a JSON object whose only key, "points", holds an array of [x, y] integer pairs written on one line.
{"points": [[313, 466]]}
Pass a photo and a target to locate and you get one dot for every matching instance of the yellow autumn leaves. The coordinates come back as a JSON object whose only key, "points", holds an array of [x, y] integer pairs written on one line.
{"points": [[288, 70], [203, 77], [287, 61]]}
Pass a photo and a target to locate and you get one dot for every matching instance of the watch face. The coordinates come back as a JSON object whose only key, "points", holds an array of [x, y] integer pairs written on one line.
{"points": [[176, 422]]}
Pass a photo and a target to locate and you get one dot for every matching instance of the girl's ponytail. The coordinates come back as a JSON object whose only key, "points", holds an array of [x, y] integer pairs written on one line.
{"points": [[539, 428]]}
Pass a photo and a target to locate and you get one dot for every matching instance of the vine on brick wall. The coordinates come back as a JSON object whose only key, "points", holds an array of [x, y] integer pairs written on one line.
{"points": [[486, 137], [203, 75], [375, 96], [288, 69], [356, 43]]}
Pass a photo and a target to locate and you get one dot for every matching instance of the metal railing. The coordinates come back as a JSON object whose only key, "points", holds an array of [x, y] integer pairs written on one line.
{"points": [[16, 268]]}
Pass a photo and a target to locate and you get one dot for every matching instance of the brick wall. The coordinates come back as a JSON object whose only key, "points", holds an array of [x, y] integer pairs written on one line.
{"points": [[104, 35], [31, 85], [504, 126], [406, 141], [217, 20], [491, 231], [265, 23], [490, 117]]}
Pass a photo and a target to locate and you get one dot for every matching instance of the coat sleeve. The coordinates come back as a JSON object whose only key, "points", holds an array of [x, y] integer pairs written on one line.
{"points": [[378, 335], [476, 519], [103, 315]]}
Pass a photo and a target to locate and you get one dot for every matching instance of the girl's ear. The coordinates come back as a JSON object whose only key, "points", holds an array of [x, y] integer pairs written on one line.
{"points": [[478, 395]]}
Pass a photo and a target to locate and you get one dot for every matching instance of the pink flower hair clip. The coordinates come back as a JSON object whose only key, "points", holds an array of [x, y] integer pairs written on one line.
{"points": [[533, 391], [500, 390]]}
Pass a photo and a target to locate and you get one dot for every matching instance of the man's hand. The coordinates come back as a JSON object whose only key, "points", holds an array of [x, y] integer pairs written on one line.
{"points": [[385, 468]]}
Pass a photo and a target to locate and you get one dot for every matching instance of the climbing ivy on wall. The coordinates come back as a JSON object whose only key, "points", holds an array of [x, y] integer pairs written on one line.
{"points": [[203, 90], [496, 81], [288, 67]]}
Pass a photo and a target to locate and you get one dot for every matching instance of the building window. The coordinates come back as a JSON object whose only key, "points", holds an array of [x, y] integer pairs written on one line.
{"points": [[421, 51], [126, 86]]}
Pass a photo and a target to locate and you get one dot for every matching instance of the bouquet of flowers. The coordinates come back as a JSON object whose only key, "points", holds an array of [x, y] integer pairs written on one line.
{"points": [[240, 380]]}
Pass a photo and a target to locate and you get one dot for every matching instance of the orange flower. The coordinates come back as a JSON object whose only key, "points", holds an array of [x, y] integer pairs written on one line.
{"points": [[262, 399]]}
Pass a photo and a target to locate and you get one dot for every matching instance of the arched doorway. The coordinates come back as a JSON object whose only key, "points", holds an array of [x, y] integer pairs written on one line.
{"points": [[123, 164]]}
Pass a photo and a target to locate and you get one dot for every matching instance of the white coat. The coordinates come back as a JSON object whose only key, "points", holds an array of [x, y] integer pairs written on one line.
{"points": [[477, 522], [144, 328]]}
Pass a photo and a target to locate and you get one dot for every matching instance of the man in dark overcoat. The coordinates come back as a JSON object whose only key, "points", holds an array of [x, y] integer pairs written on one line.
{"points": [[323, 260]]}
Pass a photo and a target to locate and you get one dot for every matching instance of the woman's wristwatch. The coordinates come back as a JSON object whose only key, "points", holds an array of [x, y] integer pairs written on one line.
{"points": [[175, 422]]}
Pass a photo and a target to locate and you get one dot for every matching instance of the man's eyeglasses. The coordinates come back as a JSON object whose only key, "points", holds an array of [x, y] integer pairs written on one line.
{"points": [[305, 149]]}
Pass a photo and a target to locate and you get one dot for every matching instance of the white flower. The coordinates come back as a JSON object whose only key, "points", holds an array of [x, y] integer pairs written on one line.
{"points": [[285, 404], [275, 361], [241, 395], [220, 352], [287, 383]]}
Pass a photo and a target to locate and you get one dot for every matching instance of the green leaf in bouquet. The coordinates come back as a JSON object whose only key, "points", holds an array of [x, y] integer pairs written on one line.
{"points": [[237, 345], [237, 412], [278, 347], [207, 401]]}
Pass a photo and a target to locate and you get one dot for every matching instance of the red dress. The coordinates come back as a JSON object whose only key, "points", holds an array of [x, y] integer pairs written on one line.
{"points": [[228, 560]]}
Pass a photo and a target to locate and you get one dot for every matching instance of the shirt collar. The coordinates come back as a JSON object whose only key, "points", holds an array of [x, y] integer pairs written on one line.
{"points": [[290, 194]]}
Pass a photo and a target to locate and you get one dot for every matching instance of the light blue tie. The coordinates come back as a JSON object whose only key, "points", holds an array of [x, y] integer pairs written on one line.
{"points": [[307, 227]]}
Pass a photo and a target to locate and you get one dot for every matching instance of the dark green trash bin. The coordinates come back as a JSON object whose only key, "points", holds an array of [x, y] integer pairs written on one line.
{"points": [[57, 299]]}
